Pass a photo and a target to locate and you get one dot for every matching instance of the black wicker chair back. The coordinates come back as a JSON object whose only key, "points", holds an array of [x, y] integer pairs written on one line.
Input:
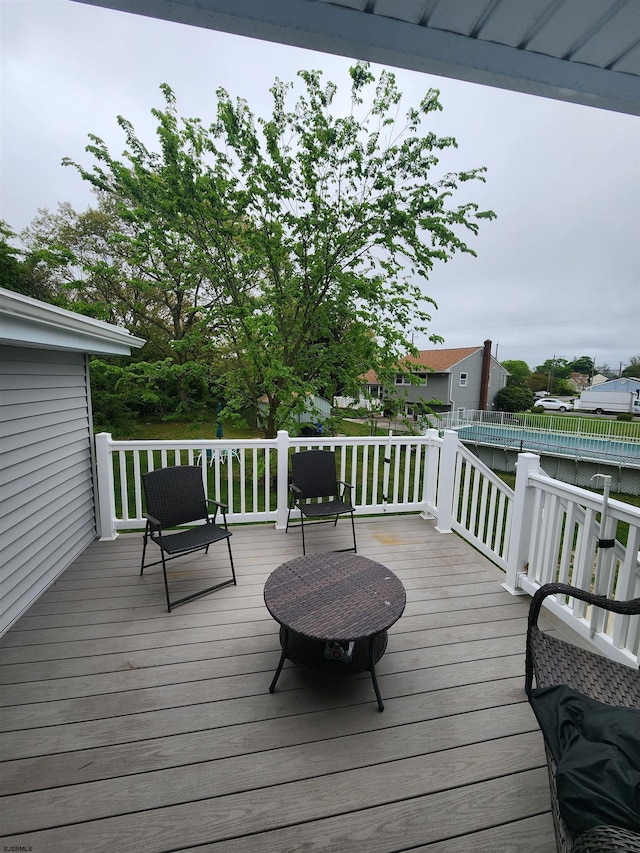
{"points": [[175, 496], [313, 475]]}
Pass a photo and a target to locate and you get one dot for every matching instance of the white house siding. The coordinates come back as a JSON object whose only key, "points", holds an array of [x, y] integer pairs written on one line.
{"points": [[46, 488]]}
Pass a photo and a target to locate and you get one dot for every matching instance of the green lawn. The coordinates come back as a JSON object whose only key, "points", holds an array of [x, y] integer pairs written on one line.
{"points": [[170, 431]]}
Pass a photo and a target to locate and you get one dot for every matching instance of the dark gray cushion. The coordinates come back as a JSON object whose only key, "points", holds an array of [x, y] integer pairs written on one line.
{"points": [[596, 748]]}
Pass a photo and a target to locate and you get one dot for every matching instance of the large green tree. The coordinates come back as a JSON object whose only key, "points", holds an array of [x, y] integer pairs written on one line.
{"points": [[584, 365], [519, 371], [301, 242], [633, 368]]}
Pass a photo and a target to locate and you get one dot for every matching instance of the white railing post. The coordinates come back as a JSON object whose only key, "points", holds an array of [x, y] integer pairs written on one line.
{"points": [[282, 489], [430, 474], [446, 480], [105, 495], [520, 539]]}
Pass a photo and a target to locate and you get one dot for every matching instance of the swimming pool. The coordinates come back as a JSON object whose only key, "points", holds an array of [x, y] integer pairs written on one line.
{"points": [[611, 450]]}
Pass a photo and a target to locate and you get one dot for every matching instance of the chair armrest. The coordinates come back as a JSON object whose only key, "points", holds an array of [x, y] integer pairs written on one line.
{"points": [[218, 504], [630, 608], [626, 608], [294, 488], [346, 485], [153, 522]]}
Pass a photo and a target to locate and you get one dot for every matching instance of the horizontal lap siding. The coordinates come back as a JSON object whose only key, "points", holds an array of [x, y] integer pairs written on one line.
{"points": [[46, 490]]}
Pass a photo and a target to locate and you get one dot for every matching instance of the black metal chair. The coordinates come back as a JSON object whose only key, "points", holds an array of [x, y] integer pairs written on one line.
{"points": [[175, 496], [313, 475]]}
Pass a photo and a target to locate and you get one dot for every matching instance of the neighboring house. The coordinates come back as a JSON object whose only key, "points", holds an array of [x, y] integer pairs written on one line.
{"points": [[461, 379], [317, 410], [598, 379], [624, 383], [578, 382], [47, 490]]}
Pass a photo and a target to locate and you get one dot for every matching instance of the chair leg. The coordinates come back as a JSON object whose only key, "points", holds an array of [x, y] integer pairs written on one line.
{"points": [[302, 526], [144, 547], [353, 530], [166, 580], [233, 570]]}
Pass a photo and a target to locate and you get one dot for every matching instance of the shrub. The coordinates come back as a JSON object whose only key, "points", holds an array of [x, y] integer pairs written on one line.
{"points": [[513, 398]]}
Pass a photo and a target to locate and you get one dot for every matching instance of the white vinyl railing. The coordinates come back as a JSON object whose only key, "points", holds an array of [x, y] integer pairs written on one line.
{"points": [[389, 474], [545, 530], [557, 535]]}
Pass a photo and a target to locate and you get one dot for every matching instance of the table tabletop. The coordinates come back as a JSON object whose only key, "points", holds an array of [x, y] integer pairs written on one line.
{"points": [[334, 596]]}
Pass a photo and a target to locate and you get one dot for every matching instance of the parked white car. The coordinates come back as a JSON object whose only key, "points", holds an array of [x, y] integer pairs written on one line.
{"points": [[554, 403]]}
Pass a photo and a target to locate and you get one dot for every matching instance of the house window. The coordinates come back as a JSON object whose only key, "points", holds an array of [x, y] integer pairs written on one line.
{"points": [[374, 391], [402, 379], [423, 378], [463, 380]]}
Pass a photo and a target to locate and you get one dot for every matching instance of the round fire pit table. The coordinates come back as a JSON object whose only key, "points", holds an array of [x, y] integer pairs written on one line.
{"points": [[334, 610]]}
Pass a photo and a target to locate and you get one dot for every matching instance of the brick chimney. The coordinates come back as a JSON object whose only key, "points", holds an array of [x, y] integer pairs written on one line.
{"points": [[486, 372]]}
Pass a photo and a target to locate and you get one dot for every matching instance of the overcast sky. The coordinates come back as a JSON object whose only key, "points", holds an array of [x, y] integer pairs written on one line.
{"points": [[558, 272]]}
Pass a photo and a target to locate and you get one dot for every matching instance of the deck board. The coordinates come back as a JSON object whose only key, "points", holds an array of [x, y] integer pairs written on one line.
{"points": [[124, 727]]}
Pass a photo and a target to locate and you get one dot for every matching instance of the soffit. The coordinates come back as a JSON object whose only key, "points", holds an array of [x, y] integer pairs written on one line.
{"points": [[581, 51]]}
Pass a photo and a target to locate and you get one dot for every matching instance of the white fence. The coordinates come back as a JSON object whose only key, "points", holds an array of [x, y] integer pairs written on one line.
{"points": [[545, 531], [579, 426]]}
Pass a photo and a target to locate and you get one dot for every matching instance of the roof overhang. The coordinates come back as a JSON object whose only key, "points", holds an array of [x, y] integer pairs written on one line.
{"points": [[581, 53], [27, 322]]}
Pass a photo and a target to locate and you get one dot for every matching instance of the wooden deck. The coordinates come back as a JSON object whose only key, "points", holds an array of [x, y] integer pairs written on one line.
{"points": [[125, 728]]}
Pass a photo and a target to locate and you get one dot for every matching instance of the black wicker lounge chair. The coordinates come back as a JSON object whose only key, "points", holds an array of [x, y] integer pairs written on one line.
{"points": [[554, 662], [313, 475], [175, 496]]}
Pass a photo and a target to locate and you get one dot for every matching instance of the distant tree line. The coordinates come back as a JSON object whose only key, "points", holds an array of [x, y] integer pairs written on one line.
{"points": [[551, 376]]}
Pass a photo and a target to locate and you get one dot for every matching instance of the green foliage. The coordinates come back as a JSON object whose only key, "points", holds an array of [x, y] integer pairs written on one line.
{"points": [[518, 370], [624, 416], [632, 370], [538, 381], [555, 368], [289, 251], [123, 394], [513, 398], [15, 273], [10, 267], [584, 365]]}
